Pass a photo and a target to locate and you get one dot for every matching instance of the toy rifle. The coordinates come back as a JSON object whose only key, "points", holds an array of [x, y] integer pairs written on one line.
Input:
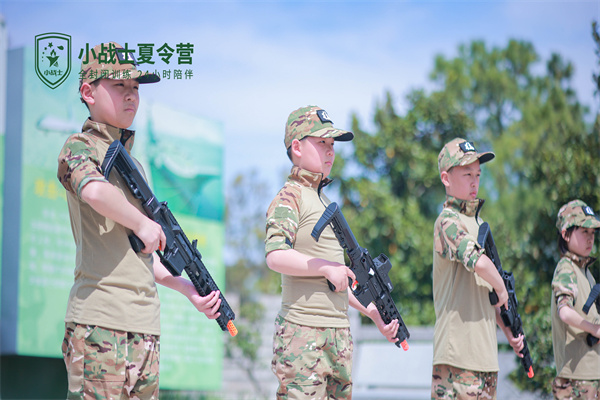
{"points": [[179, 253], [593, 298], [373, 285], [510, 316]]}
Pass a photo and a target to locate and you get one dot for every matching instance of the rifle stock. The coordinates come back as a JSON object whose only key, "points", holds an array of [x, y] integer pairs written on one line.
{"points": [[373, 285], [510, 316], [179, 254]]}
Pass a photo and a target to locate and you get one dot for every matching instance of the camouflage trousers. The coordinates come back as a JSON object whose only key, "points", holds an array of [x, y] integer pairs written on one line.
{"points": [[312, 363], [450, 383], [109, 364], [570, 389]]}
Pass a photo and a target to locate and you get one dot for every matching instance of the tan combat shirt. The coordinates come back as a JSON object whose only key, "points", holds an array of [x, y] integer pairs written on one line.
{"points": [[571, 287], [465, 326], [291, 218], [114, 287]]}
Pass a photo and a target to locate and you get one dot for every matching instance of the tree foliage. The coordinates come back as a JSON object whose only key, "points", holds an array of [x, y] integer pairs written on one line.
{"points": [[546, 155]]}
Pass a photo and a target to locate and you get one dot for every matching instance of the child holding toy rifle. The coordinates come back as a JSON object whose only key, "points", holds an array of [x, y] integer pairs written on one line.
{"points": [[312, 344], [111, 345], [465, 344], [577, 363], [372, 285]]}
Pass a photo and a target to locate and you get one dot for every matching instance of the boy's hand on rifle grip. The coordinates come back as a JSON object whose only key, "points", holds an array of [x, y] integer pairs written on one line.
{"points": [[152, 235], [503, 299], [499, 300], [338, 276]]}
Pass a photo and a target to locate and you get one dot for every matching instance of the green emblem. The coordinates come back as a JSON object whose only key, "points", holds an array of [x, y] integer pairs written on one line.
{"points": [[53, 58]]}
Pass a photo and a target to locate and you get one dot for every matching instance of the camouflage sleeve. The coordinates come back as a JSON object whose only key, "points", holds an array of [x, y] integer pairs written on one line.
{"points": [[78, 164], [564, 300], [564, 286], [282, 219], [453, 241]]}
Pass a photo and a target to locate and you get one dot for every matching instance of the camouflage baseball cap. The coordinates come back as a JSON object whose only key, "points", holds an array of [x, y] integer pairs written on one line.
{"points": [[312, 121], [459, 152], [576, 213], [112, 61]]}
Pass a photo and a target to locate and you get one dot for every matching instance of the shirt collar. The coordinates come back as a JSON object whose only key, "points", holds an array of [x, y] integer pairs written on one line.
{"points": [[578, 260], [308, 178], [468, 207], [110, 133]]}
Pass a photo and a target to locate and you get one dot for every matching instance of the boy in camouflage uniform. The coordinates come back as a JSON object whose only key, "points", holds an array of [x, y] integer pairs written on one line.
{"points": [[111, 344], [465, 350], [577, 364], [312, 345]]}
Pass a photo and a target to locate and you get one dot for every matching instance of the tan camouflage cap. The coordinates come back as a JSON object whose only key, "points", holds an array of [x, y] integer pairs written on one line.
{"points": [[576, 213], [459, 152], [312, 121], [111, 61]]}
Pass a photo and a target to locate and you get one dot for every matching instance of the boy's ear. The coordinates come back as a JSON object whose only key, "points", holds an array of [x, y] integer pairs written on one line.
{"points": [[86, 93], [295, 147], [445, 179], [564, 235]]}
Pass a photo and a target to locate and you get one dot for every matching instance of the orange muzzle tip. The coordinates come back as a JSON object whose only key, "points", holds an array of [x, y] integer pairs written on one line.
{"points": [[530, 372], [231, 328], [404, 345]]}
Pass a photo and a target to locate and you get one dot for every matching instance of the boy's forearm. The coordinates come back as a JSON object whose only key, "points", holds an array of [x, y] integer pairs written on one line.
{"points": [[370, 312], [354, 303], [292, 262], [500, 323], [486, 269], [165, 278], [108, 201], [571, 317]]}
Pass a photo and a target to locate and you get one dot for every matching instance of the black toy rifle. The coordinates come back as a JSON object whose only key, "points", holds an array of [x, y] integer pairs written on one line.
{"points": [[510, 316], [179, 253], [373, 284], [593, 298]]}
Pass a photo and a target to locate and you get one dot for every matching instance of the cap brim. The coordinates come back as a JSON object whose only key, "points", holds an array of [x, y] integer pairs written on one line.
{"points": [[336, 134], [485, 157], [595, 223], [346, 136], [148, 78]]}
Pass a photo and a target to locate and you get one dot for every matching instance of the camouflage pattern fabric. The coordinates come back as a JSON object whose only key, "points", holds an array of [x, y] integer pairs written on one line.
{"points": [[564, 281], [571, 389], [80, 160], [451, 239], [312, 121], [312, 363], [576, 213], [107, 364], [112, 61], [283, 213], [459, 152], [450, 383], [79, 163]]}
